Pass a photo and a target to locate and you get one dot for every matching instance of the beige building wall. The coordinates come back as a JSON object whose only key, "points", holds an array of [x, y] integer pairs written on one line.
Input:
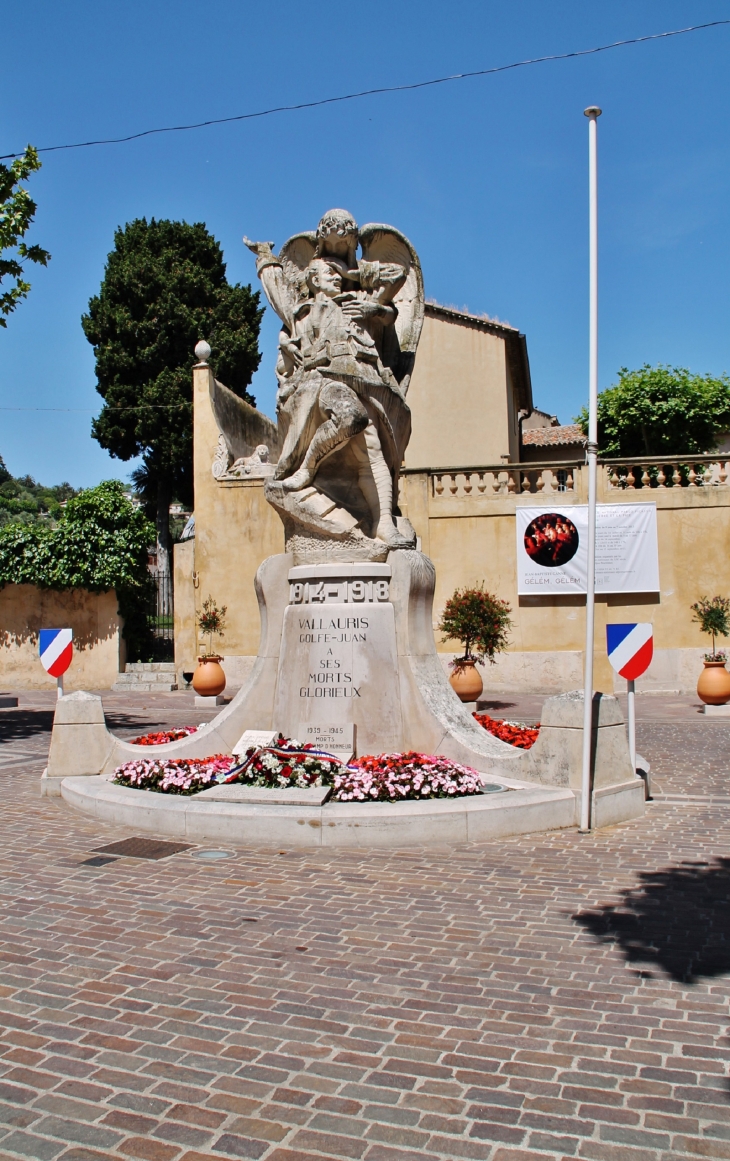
{"points": [[471, 538], [463, 395], [235, 530], [97, 641]]}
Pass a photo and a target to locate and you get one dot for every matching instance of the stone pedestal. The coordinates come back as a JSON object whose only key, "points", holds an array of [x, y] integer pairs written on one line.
{"points": [[204, 702], [339, 658], [353, 645], [80, 742]]}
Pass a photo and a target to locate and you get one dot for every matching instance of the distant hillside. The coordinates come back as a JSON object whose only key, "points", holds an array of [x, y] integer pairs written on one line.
{"points": [[23, 501]]}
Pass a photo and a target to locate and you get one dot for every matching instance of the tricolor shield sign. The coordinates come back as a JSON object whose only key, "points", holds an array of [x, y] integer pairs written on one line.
{"points": [[630, 648], [56, 650]]}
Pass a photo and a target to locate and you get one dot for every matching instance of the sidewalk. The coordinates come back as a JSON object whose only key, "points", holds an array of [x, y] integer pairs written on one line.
{"points": [[538, 997]]}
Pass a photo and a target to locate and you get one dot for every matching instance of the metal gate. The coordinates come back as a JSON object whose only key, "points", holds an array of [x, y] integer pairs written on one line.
{"points": [[161, 617]]}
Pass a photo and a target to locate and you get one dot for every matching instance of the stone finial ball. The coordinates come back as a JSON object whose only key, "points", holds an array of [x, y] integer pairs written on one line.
{"points": [[202, 351]]}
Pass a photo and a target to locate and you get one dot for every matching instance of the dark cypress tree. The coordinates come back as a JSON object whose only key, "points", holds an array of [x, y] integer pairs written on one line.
{"points": [[165, 288]]}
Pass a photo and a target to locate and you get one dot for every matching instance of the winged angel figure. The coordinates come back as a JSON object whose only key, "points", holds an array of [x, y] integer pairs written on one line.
{"points": [[346, 351]]}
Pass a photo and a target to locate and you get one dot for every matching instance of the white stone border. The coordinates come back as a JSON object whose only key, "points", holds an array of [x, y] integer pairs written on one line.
{"points": [[338, 824]]}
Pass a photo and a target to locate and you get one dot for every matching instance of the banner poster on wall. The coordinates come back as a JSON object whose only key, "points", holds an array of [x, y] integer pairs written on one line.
{"points": [[552, 549]]}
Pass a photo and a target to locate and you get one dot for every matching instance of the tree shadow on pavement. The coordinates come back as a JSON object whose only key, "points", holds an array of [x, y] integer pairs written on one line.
{"points": [[18, 724], [678, 919]]}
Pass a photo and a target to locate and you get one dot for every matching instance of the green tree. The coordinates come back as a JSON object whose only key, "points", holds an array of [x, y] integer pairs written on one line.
{"points": [[661, 411], [17, 210], [164, 289], [99, 543], [25, 501]]}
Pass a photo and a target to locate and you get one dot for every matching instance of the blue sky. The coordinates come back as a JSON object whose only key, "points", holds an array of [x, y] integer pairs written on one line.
{"points": [[488, 177]]}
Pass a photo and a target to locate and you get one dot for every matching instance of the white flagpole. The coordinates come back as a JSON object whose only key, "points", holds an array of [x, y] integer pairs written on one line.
{"points": [[592, 113]]}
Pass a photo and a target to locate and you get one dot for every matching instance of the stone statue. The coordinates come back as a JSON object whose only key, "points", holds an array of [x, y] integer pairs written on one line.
{"points": [[252, 467], [346, 351]]}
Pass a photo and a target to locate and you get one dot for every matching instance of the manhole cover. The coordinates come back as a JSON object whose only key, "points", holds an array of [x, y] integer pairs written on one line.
{"points": [[212, 855], [98, 861], [143, 848], [492, 788]]}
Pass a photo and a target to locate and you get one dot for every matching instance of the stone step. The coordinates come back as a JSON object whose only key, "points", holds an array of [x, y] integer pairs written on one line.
{"points": [[143, 687], [146, 677], [150, 667]]}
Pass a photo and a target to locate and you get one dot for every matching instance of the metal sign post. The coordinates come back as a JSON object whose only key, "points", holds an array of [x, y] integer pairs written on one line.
{"points": [[630, 689], [592, 113]]}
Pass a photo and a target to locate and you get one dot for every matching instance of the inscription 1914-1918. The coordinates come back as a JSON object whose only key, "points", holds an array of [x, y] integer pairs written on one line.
{"points": [[338, 592]]}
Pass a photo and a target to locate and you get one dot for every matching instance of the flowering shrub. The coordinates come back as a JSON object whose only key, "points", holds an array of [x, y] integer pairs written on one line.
{"points": [[713, 617], [480, 621], [212, 622], [173, 775], [285, 763], [524, 737], [163, 736], [389, 777]]}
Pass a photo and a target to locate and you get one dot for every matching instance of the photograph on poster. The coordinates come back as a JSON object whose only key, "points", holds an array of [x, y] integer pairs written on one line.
{"points": [[551, 540], [552, 549]]}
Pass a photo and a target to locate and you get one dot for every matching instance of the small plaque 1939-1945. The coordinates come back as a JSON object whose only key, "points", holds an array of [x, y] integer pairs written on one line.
{"points": [[339, 740]]}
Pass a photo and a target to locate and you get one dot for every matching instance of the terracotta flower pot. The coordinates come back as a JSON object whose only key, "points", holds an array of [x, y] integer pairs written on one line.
{"points": [[209, 679], [467, 682], [713, 688]]}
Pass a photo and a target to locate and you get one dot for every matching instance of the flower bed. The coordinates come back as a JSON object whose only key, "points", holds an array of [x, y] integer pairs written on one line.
{"points": [[286, 763], [524, 737], [163, 736], [391, 777], [173, 775]]}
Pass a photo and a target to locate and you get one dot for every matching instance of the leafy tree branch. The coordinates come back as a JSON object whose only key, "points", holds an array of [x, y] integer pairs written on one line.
{"points": [[17, 210]]}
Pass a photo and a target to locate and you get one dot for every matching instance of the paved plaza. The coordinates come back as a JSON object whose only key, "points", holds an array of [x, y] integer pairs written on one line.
{"points": [[544, 996]]}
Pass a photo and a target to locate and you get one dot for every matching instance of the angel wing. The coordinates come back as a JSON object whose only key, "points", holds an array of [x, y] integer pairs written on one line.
{"points": [[295, 256], [386, 244]]}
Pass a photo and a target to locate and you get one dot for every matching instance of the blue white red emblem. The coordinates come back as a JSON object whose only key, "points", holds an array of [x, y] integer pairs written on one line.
{"points": [[630, 648], [56, 650]]}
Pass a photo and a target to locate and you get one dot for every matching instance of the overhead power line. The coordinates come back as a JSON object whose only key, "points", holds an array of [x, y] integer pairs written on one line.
{"points": [[134, 407], [370, 92]]}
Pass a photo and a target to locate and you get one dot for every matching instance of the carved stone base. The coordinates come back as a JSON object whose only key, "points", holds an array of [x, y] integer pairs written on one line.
{"points": [[308, 548], [318, 531]]}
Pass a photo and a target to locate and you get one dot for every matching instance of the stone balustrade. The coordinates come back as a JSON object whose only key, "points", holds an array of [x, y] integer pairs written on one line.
{"points": [[496, 481], [505, 480], [702, 471]]}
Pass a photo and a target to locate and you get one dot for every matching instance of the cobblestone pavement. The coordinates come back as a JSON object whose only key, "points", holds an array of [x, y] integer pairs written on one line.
{"points": [[545, 996]]}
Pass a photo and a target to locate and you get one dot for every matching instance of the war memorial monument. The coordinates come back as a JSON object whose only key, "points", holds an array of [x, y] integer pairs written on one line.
{"points": [[347, 643]]}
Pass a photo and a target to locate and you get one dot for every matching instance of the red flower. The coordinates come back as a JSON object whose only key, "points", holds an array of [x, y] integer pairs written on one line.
{"points": [[286, 771], [523, 737]]}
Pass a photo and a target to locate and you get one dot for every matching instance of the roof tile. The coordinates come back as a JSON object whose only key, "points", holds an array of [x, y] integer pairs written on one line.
{"points": [[565, 433]]}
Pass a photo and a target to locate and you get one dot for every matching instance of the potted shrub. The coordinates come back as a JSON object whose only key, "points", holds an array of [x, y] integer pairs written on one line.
{"points": [[713, 687], [480, 622], [209, 679]]}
